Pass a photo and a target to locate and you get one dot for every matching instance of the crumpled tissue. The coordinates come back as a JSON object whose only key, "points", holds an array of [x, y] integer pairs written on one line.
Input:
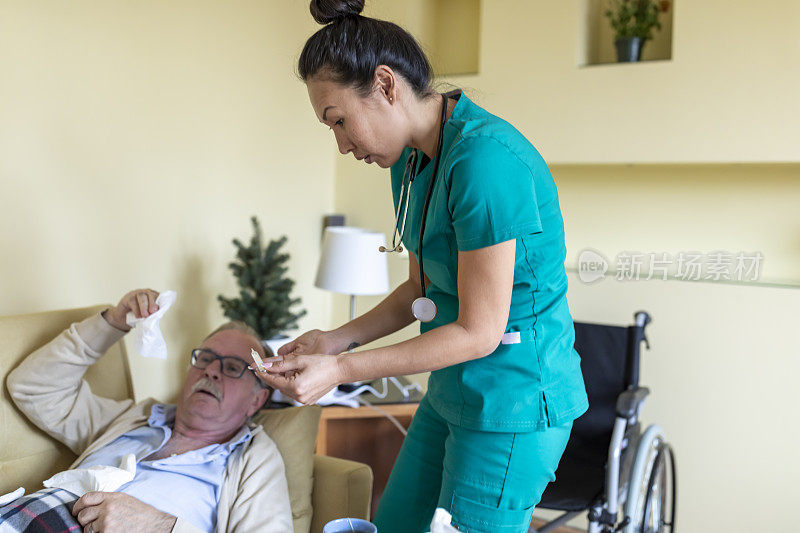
{"points": [[441, 522], [95, 478], [11, 496], [147, 337]]}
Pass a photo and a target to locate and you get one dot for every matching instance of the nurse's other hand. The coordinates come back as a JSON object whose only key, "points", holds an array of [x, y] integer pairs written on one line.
{"points": [[306, 378], [312, 342]]}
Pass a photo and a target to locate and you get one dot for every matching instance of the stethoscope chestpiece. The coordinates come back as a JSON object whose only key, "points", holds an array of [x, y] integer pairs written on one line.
{"points": [[423, 309]]}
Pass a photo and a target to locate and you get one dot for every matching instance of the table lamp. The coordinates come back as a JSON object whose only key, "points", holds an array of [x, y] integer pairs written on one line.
{"points": [[351, 264]]}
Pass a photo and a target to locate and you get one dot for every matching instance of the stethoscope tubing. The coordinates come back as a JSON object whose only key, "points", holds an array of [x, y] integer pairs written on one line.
{"points": [[423, 308], [397, 242], [430, 193]]}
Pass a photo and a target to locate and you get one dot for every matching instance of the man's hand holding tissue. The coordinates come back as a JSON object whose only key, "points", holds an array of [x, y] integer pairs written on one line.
{"points": [[140, 302], [111, 512]]}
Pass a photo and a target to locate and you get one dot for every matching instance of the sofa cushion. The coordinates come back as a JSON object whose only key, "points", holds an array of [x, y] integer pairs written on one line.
{"points": [[27, 454], [294, 431]]}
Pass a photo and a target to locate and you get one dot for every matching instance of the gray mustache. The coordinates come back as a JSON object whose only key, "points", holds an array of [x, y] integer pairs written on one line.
{"points": [[205, 384]]}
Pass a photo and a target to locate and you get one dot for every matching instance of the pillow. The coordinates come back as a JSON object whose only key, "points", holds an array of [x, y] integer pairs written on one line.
{"points": [[294, 432]]}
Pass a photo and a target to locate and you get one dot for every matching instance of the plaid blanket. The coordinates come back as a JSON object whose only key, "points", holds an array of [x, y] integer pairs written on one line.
{"points": [[44, 511]]}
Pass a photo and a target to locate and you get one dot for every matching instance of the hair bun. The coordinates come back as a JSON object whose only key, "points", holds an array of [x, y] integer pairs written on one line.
{"points": [[326, 11]]}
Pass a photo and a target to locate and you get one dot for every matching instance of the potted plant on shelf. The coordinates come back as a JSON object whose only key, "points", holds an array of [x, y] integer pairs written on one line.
{"points": [[633, 22], [264, 300]]}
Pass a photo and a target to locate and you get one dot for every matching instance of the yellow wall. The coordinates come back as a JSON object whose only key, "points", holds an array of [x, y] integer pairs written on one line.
{"points": [[728, 95], [724, 355], [136, 140]]}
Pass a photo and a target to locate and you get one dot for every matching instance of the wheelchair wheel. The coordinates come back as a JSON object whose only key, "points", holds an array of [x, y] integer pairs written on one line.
{"points": [[659, 504], [650, 494]]}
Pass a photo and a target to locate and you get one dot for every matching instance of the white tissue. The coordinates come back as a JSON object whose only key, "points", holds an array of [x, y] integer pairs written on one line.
{"points": [[441, 522], [147, 337], [95, 478], [11, 496]]}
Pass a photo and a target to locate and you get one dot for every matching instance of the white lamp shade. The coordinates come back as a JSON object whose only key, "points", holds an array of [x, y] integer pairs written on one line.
{"points": [[351, 262]]}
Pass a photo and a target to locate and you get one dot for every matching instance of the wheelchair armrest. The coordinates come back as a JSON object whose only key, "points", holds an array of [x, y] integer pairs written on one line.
{"points": [[629, 401]]}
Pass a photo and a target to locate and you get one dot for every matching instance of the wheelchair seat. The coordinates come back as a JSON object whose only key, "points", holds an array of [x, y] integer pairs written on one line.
{"points": [[609, 465], [580, 476]]}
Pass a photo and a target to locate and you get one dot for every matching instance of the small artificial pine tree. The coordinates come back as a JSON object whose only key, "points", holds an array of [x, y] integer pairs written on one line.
{"points": [[264, 301]]}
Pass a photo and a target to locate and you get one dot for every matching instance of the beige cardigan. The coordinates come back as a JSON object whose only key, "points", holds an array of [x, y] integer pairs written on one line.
{"points": [[48, 386]]}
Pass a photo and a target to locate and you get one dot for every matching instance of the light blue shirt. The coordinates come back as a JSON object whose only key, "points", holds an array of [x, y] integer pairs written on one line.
{"points": [[185, 485]]}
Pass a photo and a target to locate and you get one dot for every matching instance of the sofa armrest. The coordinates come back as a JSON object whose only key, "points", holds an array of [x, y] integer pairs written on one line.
{"points": [[342, 488]]}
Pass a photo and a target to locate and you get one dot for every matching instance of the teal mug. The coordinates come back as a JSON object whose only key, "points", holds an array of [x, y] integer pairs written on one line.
{"points": [[350, 525]]}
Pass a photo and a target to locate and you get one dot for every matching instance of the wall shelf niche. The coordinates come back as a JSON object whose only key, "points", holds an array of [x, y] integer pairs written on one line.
{"points": [[447, 30], [596, 36], [456, 39]]}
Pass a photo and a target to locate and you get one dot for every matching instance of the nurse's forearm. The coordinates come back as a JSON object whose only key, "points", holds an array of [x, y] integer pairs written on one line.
{"points": [[441, 347], [392, 314]]}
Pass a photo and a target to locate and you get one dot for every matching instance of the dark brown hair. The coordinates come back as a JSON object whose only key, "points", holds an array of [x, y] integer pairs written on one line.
{"points": [[350, 47]]}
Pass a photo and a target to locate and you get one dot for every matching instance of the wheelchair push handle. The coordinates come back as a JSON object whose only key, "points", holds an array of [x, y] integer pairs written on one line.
{"points": [[636, 336], [642, 318]]}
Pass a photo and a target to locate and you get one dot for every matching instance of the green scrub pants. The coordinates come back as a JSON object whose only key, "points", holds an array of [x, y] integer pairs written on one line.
{"points": [[488, 481]]}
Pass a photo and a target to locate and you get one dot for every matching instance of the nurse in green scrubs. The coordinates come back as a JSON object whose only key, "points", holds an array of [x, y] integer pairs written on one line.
{"points": [[505, 382]]}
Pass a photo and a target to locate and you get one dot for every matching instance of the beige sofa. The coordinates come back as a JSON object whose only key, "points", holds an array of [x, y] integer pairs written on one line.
{"points": [[28, 456]]}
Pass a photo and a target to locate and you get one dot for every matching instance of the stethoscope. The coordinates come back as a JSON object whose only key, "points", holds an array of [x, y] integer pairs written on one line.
{"points": [[423, 308]]}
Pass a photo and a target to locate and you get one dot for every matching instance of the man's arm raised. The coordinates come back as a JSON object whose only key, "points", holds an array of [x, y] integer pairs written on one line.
{"points": [[48, 386]]}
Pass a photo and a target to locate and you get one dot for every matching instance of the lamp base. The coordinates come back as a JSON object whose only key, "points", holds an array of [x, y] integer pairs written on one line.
{"points": [[379, 391], [374, 392]]}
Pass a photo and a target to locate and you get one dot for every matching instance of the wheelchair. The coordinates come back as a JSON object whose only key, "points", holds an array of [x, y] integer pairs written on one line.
{"points": [[623, 477]]}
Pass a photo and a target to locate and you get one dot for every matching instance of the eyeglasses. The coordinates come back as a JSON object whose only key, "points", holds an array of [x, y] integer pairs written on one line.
{"points": [[233, 367]]}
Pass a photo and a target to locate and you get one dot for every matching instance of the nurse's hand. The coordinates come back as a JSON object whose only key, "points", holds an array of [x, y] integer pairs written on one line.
{"points": [[306, 378], [310, 342]]}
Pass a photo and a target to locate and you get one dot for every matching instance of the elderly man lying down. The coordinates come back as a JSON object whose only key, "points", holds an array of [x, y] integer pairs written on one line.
{"points": [[199, 466]]}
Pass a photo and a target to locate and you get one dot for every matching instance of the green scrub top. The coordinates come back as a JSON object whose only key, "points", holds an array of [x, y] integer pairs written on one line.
{"points": [[493, 186]]}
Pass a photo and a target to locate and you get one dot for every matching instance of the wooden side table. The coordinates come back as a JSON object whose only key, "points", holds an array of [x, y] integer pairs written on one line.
{"points": [[365, 435]]}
